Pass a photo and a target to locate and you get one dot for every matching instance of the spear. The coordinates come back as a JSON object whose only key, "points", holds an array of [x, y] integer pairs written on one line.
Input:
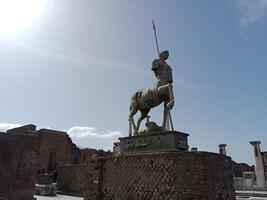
{"points": [[157, 44], [155, 33]]}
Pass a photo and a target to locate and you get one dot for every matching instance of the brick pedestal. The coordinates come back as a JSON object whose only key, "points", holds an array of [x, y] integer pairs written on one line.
{"points": [[165, 175]]}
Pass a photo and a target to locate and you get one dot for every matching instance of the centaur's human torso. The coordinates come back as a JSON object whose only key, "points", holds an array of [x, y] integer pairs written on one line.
{"points": [[152, 97], [163, 72]]}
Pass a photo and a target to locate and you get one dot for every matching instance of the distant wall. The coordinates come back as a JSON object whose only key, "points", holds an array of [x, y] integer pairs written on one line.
{"points": [[239, 168], [71, 179], [166, 175], [18, 165]]}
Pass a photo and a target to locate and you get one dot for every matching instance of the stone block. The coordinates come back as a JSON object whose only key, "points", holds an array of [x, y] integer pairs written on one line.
{"points": [[46, 190], [158, 141]]}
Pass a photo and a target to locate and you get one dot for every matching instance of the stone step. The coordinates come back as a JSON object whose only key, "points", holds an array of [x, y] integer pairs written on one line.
{"points": [[244, 193]]}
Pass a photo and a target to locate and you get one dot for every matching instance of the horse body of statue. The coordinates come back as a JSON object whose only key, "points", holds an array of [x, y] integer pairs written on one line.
{"points": [[144, 100]]}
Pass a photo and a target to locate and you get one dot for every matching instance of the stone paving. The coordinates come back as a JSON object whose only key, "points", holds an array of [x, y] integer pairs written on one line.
{"points": [[64, 197], [58, 197], [251, 198]]}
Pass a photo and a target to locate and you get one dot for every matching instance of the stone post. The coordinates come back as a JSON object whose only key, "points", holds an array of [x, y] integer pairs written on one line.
{"points": [[194, 149], [222, 149], [259, 168]]}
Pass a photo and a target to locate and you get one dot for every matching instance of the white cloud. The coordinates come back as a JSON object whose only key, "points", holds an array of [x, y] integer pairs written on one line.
{"points": [[252, 10], [5, 126], [89, 137], [83, 132]]}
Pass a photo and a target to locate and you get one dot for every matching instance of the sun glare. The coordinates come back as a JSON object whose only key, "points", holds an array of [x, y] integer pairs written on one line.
{"points": [[17, 15]]}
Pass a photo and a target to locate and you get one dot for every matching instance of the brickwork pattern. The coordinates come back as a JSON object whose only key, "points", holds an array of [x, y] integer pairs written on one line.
{"points": [[71, 179], [18, 164], [92, 189], [239, 168], [57, 142], [167, 175]]}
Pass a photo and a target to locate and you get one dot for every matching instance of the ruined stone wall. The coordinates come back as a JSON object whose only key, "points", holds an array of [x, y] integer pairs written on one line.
{"points": [[18, 164], [166, 175], [71, 179], [87, 154], [239, 168], [56, 148]]}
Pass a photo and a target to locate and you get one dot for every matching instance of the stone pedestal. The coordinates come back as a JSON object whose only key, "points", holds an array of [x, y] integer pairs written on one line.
{"points": [[46, 190], [179, 175], [45, 185], [157, 141]]}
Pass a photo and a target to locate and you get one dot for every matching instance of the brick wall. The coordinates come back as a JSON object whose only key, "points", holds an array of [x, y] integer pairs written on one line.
{"points": [[166, 175], [87, 154], [56, 148], [18, 163], [71, 179], [239, 168]]}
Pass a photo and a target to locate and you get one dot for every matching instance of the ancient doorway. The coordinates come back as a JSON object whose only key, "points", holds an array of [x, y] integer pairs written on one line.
{"points": [[51, 161]]}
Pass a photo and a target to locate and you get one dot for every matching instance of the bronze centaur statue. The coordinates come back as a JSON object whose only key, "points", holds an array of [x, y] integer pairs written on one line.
{"points": [[144, 100]]}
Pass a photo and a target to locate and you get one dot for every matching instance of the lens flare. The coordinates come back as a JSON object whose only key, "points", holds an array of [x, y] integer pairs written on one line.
{"points": [[17, 15]]}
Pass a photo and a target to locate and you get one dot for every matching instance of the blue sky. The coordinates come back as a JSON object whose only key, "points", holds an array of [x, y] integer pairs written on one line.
{"points": [[74, 65]]}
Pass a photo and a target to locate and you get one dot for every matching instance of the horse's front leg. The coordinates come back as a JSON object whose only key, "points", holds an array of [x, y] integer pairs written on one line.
{"points": [[144, 114], [170, 104], [165, 117], [132, 123], [167, 90]]}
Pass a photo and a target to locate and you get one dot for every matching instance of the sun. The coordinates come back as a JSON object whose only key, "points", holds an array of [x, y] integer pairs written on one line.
{"points": [[17, 15]]}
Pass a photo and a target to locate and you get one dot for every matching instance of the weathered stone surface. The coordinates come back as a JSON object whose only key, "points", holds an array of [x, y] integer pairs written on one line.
{"points": [[46, 190], [239, 168], [155, 141], [87, 154], [44, 179], [56, 148], [18, 164], [71, 179], [165, 175]]}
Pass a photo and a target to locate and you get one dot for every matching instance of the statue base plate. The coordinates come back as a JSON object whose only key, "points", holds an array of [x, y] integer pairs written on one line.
{"points": [[157, 141]]}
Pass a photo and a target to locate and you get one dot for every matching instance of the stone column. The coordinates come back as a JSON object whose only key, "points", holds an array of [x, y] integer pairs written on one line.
{"points": [[259, 167], [222, 149]]}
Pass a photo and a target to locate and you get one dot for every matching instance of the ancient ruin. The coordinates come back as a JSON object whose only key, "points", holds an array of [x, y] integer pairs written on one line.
{"points": [[253, 178], [18, 163], [154, 163], [33, 161], [151, 163]]}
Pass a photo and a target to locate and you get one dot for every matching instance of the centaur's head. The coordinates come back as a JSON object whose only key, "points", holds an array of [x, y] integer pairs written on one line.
{"points": [[164, 55]]}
